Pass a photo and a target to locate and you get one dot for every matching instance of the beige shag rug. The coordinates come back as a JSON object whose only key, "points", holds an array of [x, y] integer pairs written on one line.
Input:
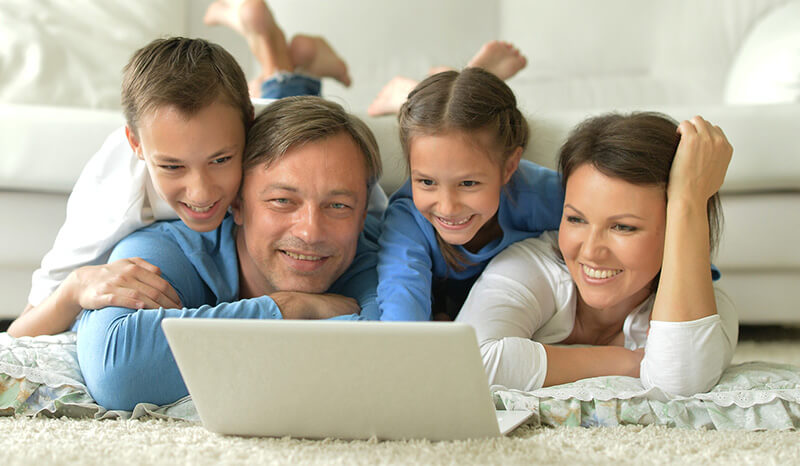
{"points": [[26, 441]]}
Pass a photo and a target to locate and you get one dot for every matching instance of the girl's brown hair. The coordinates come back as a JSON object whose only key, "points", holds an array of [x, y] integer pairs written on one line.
{"points": [[638, 148], [469, 101]]}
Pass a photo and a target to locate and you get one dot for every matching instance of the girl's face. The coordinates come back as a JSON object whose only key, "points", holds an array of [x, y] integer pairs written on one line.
{"points": [[456, 183], [195, 162], [612, 238]]}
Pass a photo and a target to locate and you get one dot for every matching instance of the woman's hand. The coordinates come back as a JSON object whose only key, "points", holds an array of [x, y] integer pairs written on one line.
{"points": [[700, 162], [132, 283]]}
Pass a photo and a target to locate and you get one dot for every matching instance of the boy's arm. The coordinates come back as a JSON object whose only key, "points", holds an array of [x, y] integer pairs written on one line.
{"points": [[106, 205], [132, 283]]}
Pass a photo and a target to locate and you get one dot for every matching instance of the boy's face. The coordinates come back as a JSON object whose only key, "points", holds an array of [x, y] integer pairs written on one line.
{"points": [[196, 162]]}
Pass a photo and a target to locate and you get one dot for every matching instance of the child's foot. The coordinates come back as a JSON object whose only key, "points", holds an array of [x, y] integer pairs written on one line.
{"points": [[392, 96], [313, 55], [499, 58], [253, 20], [438, 69], [247, 17]]}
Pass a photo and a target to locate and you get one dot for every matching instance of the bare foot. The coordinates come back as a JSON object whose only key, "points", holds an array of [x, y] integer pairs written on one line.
{"points": [[313, 55], [392, 96], [499, 58], [438, 69], [253, 20]]}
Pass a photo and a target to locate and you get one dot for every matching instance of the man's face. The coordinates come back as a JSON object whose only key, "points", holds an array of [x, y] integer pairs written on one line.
{"points": [[299, 219]]}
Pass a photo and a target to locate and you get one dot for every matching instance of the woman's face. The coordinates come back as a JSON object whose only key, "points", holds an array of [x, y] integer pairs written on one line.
{"points": [[612, 238]]}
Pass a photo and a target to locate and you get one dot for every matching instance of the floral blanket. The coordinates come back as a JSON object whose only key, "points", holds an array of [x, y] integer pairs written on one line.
{"points": [[40, 377]]}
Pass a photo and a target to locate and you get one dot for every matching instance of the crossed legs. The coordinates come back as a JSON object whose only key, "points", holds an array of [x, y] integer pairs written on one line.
{"points": [[311, 55]]}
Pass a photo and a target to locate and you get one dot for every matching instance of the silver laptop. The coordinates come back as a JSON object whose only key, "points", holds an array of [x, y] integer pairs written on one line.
{"points": [[349, 380]]}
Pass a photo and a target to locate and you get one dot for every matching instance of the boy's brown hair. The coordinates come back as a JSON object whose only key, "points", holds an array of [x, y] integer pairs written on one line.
{"points": [[189, 74]]}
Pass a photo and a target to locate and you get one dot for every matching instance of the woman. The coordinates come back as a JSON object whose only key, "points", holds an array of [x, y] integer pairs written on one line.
{"points": [[628, 271]]}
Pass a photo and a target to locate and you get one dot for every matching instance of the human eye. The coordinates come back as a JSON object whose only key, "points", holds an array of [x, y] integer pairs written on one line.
{"points": [[624, 228], [170, 168], [425, 182], [221, 160], [339, 205], [574, 219], [469, 183], [280, 202]]}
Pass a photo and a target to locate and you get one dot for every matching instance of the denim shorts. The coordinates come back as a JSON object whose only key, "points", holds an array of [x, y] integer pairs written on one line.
{"points": [[285, 84]]}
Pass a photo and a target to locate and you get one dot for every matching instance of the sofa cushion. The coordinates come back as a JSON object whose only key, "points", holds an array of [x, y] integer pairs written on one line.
{"points": [[766, 68]]}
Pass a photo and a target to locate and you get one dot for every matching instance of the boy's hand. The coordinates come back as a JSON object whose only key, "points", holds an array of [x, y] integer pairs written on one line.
{"points": [[700, 162], [131, 283], [298, 305]]}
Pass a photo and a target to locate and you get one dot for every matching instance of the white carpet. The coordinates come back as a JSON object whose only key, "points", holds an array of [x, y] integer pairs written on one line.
{"points": [[25, 441]]}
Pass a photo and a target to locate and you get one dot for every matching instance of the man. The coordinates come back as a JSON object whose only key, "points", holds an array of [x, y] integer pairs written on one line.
{"points": [[298, 245]]}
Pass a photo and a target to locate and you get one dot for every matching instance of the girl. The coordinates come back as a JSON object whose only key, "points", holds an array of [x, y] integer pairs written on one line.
{"points": [[469, 195], [628, 271]]}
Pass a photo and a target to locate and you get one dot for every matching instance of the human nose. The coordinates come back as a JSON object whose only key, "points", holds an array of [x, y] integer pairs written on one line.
{"points": [[448, 202], [594, 245], [308, 225], [199, 190]]}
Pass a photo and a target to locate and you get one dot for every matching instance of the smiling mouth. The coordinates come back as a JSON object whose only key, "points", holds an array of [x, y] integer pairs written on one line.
{"points": [[302, 257], [199, 210], [454, 223], [600, 273]]}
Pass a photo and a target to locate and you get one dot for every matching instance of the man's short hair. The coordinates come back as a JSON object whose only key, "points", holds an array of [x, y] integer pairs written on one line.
{"points": [[294, 121], [189, 74]]}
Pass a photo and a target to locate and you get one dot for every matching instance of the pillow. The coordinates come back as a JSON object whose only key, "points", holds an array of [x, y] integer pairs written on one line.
{"points": [[751, 396], [766, 68], [40, 376], [63, 53]]}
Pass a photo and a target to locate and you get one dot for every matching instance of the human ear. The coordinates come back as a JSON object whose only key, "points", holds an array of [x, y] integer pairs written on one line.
{"points": [[133, 140], [512, 162], [236, 207]]}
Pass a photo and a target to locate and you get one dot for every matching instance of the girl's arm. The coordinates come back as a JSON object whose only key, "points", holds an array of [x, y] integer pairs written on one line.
{"points": [[405, 274], [685, 290]]}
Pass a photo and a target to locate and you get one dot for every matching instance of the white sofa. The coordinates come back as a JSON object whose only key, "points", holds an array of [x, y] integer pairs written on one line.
{"points": [[584, 59]]}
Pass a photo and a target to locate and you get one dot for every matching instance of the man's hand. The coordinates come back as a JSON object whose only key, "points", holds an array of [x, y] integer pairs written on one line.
{"points": [[132, 283], [297, 305]]}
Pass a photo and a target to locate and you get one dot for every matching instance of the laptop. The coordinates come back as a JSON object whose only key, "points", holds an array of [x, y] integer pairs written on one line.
{"points": [[347, 380]]}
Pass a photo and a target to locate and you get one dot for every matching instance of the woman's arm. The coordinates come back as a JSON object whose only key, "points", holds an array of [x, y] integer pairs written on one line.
{"points": [[521, 291], [132, 283], [685, 290]]}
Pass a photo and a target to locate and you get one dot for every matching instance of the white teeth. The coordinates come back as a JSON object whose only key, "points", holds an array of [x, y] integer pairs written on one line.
{"points": [[302, 257], [460, 222], [595, 273], [199, 210]]}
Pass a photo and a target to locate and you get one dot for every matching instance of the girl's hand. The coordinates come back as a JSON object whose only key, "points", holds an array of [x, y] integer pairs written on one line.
{"points": [[131, 283], [700, 162]]}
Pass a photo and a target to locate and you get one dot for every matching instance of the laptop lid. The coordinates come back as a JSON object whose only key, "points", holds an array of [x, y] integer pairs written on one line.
{"points": [[350, 380]]}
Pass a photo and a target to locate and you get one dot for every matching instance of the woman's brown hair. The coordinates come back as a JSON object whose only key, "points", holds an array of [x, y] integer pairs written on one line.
{"points": [[638, 148]]}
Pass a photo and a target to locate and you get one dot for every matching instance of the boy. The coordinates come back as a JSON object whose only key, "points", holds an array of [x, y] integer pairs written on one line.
{"points": [[187, 110]]}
